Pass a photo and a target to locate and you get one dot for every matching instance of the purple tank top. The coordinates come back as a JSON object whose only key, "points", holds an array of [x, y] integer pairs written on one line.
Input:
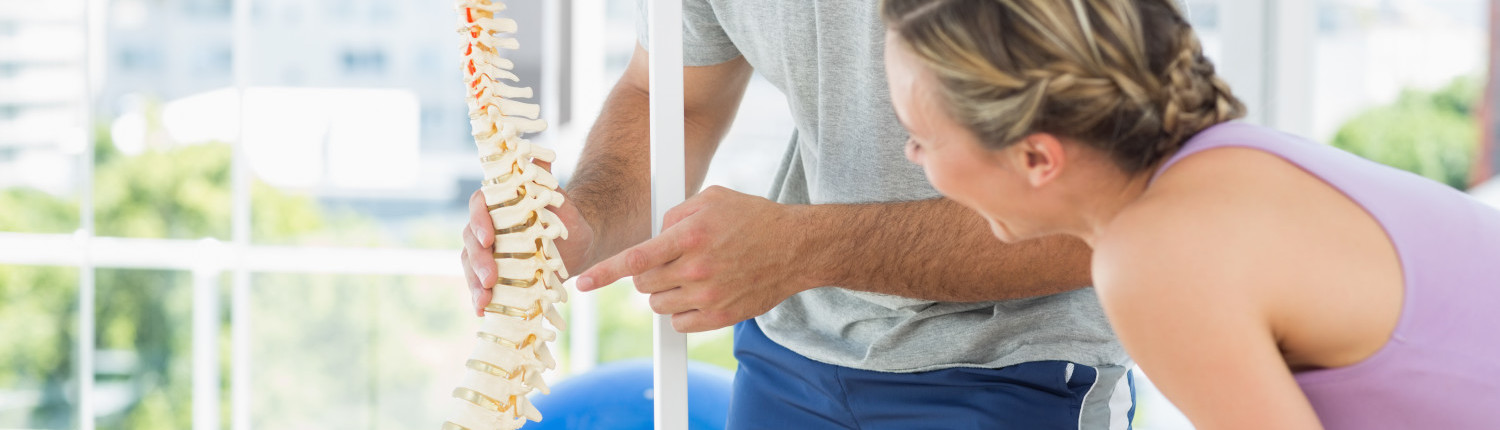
{"points": [[1441, 367]]}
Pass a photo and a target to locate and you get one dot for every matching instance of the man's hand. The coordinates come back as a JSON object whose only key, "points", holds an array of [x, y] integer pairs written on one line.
{"points": [[722, 257], [479, 246]]}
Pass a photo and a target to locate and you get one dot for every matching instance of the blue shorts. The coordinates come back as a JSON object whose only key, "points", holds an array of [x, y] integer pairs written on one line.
{"points": [[777, 389]]}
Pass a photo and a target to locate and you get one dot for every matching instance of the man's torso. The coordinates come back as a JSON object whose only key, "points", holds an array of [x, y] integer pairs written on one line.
{"points": [[827, 57]]}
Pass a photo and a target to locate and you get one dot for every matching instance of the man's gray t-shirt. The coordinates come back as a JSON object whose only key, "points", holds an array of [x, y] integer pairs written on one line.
{"points": [[827, 56]]}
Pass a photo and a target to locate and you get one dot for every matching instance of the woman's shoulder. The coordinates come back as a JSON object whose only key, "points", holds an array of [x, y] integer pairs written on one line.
{"points": [[1181, 274], [1201, 219], [1164, 238]]}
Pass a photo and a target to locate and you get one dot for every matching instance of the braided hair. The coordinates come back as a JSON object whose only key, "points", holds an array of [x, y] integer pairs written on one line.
{"points": [[1126, 76]]}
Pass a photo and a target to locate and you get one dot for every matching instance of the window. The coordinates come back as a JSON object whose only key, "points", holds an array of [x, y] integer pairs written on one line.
{"points": [[209, 8], [215, 61], [382, 10], [375, 348], [38, 305], [1204, 14], [1401, 82], [364, 62], [138, 59], [144, 357], [41, 136]]}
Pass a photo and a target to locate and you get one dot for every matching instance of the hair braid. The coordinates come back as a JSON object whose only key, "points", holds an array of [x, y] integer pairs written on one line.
{"points": [[1126, 76], [1196, 98]]}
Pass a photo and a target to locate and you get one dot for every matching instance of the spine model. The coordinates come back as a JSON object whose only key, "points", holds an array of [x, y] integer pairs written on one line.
{"points": [[512, 342]]}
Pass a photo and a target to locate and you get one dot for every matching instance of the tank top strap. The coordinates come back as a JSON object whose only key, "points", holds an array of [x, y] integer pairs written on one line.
{"points": [[1230, 134]]}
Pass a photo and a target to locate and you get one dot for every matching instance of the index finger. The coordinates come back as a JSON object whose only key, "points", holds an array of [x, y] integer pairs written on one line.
{"points": [[648, 255], [479, 220]]}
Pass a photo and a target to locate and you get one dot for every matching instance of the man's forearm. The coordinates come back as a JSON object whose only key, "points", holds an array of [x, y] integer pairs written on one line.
{"points": [[933, 250], [612, 185]]}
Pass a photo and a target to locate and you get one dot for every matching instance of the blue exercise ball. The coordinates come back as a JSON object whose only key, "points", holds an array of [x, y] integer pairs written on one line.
{"points": [[617, 396]]}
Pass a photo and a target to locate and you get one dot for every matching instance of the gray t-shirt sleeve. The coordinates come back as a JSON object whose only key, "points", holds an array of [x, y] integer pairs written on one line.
{"points": [[704, 42]]}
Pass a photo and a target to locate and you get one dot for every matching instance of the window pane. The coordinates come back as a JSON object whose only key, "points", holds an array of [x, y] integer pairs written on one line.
{"points": [[143, 362], [624, 330], [38, 384], [368, 122], [42, 134], [166, 109], [1400, 82], [1204, 15], [357, 352], [375, 352]]}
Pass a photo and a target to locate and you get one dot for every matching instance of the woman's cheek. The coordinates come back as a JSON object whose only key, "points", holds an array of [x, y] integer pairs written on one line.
{"points": [[947, 181]]}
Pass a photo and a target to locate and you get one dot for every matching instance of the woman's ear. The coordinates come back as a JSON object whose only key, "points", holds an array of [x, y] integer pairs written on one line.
{"points": [[1040, 156]]}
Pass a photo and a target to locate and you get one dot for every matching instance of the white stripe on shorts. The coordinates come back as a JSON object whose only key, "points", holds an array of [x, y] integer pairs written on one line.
{"points": [[1108, 402]]}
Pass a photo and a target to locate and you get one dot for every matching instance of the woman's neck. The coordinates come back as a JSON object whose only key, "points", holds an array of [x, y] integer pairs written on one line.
{"points": [[1112, 192]]}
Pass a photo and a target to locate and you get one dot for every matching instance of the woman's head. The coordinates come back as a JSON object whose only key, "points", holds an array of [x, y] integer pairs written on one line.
{"points": [[1123, 82]]}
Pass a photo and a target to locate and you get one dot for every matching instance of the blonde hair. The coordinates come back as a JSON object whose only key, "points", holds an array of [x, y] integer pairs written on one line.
{"points": [[1126, 76]]}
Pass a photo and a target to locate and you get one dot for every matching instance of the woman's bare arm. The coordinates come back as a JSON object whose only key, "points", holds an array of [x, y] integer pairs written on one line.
{"points": [[1187, 301]]}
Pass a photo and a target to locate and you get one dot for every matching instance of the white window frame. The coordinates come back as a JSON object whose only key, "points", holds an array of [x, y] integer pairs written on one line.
{"points": [[208, 259], [1268, 59]]}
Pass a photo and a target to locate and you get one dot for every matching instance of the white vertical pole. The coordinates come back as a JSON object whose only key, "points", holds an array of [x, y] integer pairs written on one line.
{"points": [[1243, 31], [93, 53], [1293, 39], [1268, 59], [552, 77], [588, 84], [588, 59], [583, 340], [668, 183], [240, 319], [206, 339], [85, 370], [583, 336], [583, 324]]}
